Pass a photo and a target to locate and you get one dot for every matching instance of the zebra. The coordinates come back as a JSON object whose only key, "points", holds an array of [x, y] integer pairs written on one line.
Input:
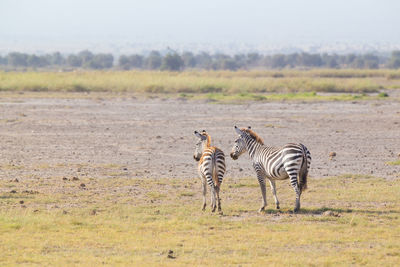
{"points": [[290, 161], [211, 168]]}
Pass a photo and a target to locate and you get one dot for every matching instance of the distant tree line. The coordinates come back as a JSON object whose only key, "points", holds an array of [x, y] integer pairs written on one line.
{"points": [[173, 61]]}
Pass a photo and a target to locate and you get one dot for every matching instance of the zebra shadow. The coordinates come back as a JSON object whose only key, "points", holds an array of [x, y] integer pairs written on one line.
{"points": [[321, 211]]}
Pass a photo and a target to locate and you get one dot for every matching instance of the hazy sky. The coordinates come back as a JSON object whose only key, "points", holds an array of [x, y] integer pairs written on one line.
{"points": [[250, 21]]}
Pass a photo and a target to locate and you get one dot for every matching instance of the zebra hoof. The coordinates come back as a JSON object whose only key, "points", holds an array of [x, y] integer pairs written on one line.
{"points": [[261, 209], [277, 207], [204, 207], [296, 210], [213, 208]]}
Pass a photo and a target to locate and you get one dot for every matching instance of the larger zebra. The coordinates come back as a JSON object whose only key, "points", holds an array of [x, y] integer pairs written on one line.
{"points": [[290, 161], [211, 168]]}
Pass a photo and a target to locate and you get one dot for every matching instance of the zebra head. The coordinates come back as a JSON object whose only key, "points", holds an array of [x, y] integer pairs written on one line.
{"points": [[200, 145], [239, 147]]}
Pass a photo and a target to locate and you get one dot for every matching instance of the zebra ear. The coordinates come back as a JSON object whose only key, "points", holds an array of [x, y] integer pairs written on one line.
{"points": [[238, 131], [202, 137], [249, 127]]}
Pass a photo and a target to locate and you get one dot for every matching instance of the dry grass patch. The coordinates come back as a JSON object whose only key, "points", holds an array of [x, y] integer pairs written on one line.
{"points": [[351, 219]]}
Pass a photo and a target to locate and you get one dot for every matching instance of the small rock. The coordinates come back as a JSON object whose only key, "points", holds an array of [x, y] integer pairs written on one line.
{"points": [[171, 255], [75, 178], [23, 206], [330, 213], [83, 185], [125, 169], [65, 178], [332, 154], [21, 202], [65, 212], [13, 191], [16, 180], [93, 212], [240, 169], [158, 137], [36, 211], [327, 213]]}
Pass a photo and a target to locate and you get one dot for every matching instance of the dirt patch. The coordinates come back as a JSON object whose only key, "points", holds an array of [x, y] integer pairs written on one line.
{"points": [[129, 137]]}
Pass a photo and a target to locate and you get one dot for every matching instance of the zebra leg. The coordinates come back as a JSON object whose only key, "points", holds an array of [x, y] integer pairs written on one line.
{"points": [[293, 182], [273, 190], [213, 198], [261, 181], [218, 199], [204, 184]]}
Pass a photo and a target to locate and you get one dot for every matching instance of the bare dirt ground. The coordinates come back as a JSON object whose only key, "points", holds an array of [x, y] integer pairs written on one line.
{"points": [[130, 137]]}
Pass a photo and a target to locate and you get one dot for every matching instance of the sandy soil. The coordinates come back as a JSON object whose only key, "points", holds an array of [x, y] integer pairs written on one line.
{"points": [[129, 137]]}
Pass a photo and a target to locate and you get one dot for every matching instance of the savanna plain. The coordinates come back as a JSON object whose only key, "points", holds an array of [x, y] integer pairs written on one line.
{"points": [[96, 168]]}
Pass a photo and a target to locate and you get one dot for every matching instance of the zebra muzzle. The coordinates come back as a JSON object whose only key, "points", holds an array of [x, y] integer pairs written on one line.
{"points": [[234, 157]]}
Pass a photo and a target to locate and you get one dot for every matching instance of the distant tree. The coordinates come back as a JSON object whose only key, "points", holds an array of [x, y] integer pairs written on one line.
{"points": [[100, 61], [253, 59], [154, 60], [228, 64], [310, 60], [204, 60], [74, 61], [85, 57], [172, 62], [123, 62], [332, 63], [396, 54], [136, 61], [292, 60], [350, 58], [189, 60], [56, 59], [3, 60], [17, 59], [36, 61], [371, 61], [394, 61], [278, 61], [358, 63]]}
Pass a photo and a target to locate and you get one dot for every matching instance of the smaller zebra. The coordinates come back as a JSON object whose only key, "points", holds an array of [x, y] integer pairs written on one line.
{"points": [[211, 168], [292, 161]]}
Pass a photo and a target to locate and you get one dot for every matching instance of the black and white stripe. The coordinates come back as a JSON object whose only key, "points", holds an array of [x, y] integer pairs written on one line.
{"points": [[211, 168], [290, 161]]}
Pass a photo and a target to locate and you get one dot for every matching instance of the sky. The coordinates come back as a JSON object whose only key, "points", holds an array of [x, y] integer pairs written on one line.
{"points": [[206, 21]]}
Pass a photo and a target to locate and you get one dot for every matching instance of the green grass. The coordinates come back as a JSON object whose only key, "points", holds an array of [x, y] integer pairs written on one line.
{"points": [[288, 81], [300, 96], [396, 162], [124, 221]]}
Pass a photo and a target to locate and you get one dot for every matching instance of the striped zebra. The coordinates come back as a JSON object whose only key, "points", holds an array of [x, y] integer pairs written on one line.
{"points": [[211, 168], [290, 161]]}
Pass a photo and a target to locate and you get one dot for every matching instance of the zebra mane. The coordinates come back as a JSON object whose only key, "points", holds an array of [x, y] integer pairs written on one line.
{"points": [[253, 135], [208, 144]]}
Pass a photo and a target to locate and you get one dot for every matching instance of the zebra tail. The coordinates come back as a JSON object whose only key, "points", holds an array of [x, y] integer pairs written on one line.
{"points": [[214, 171], [303, 172]]}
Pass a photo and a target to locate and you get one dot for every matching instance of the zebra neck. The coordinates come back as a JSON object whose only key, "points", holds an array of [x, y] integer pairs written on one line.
{"points": [[252, 146]]}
